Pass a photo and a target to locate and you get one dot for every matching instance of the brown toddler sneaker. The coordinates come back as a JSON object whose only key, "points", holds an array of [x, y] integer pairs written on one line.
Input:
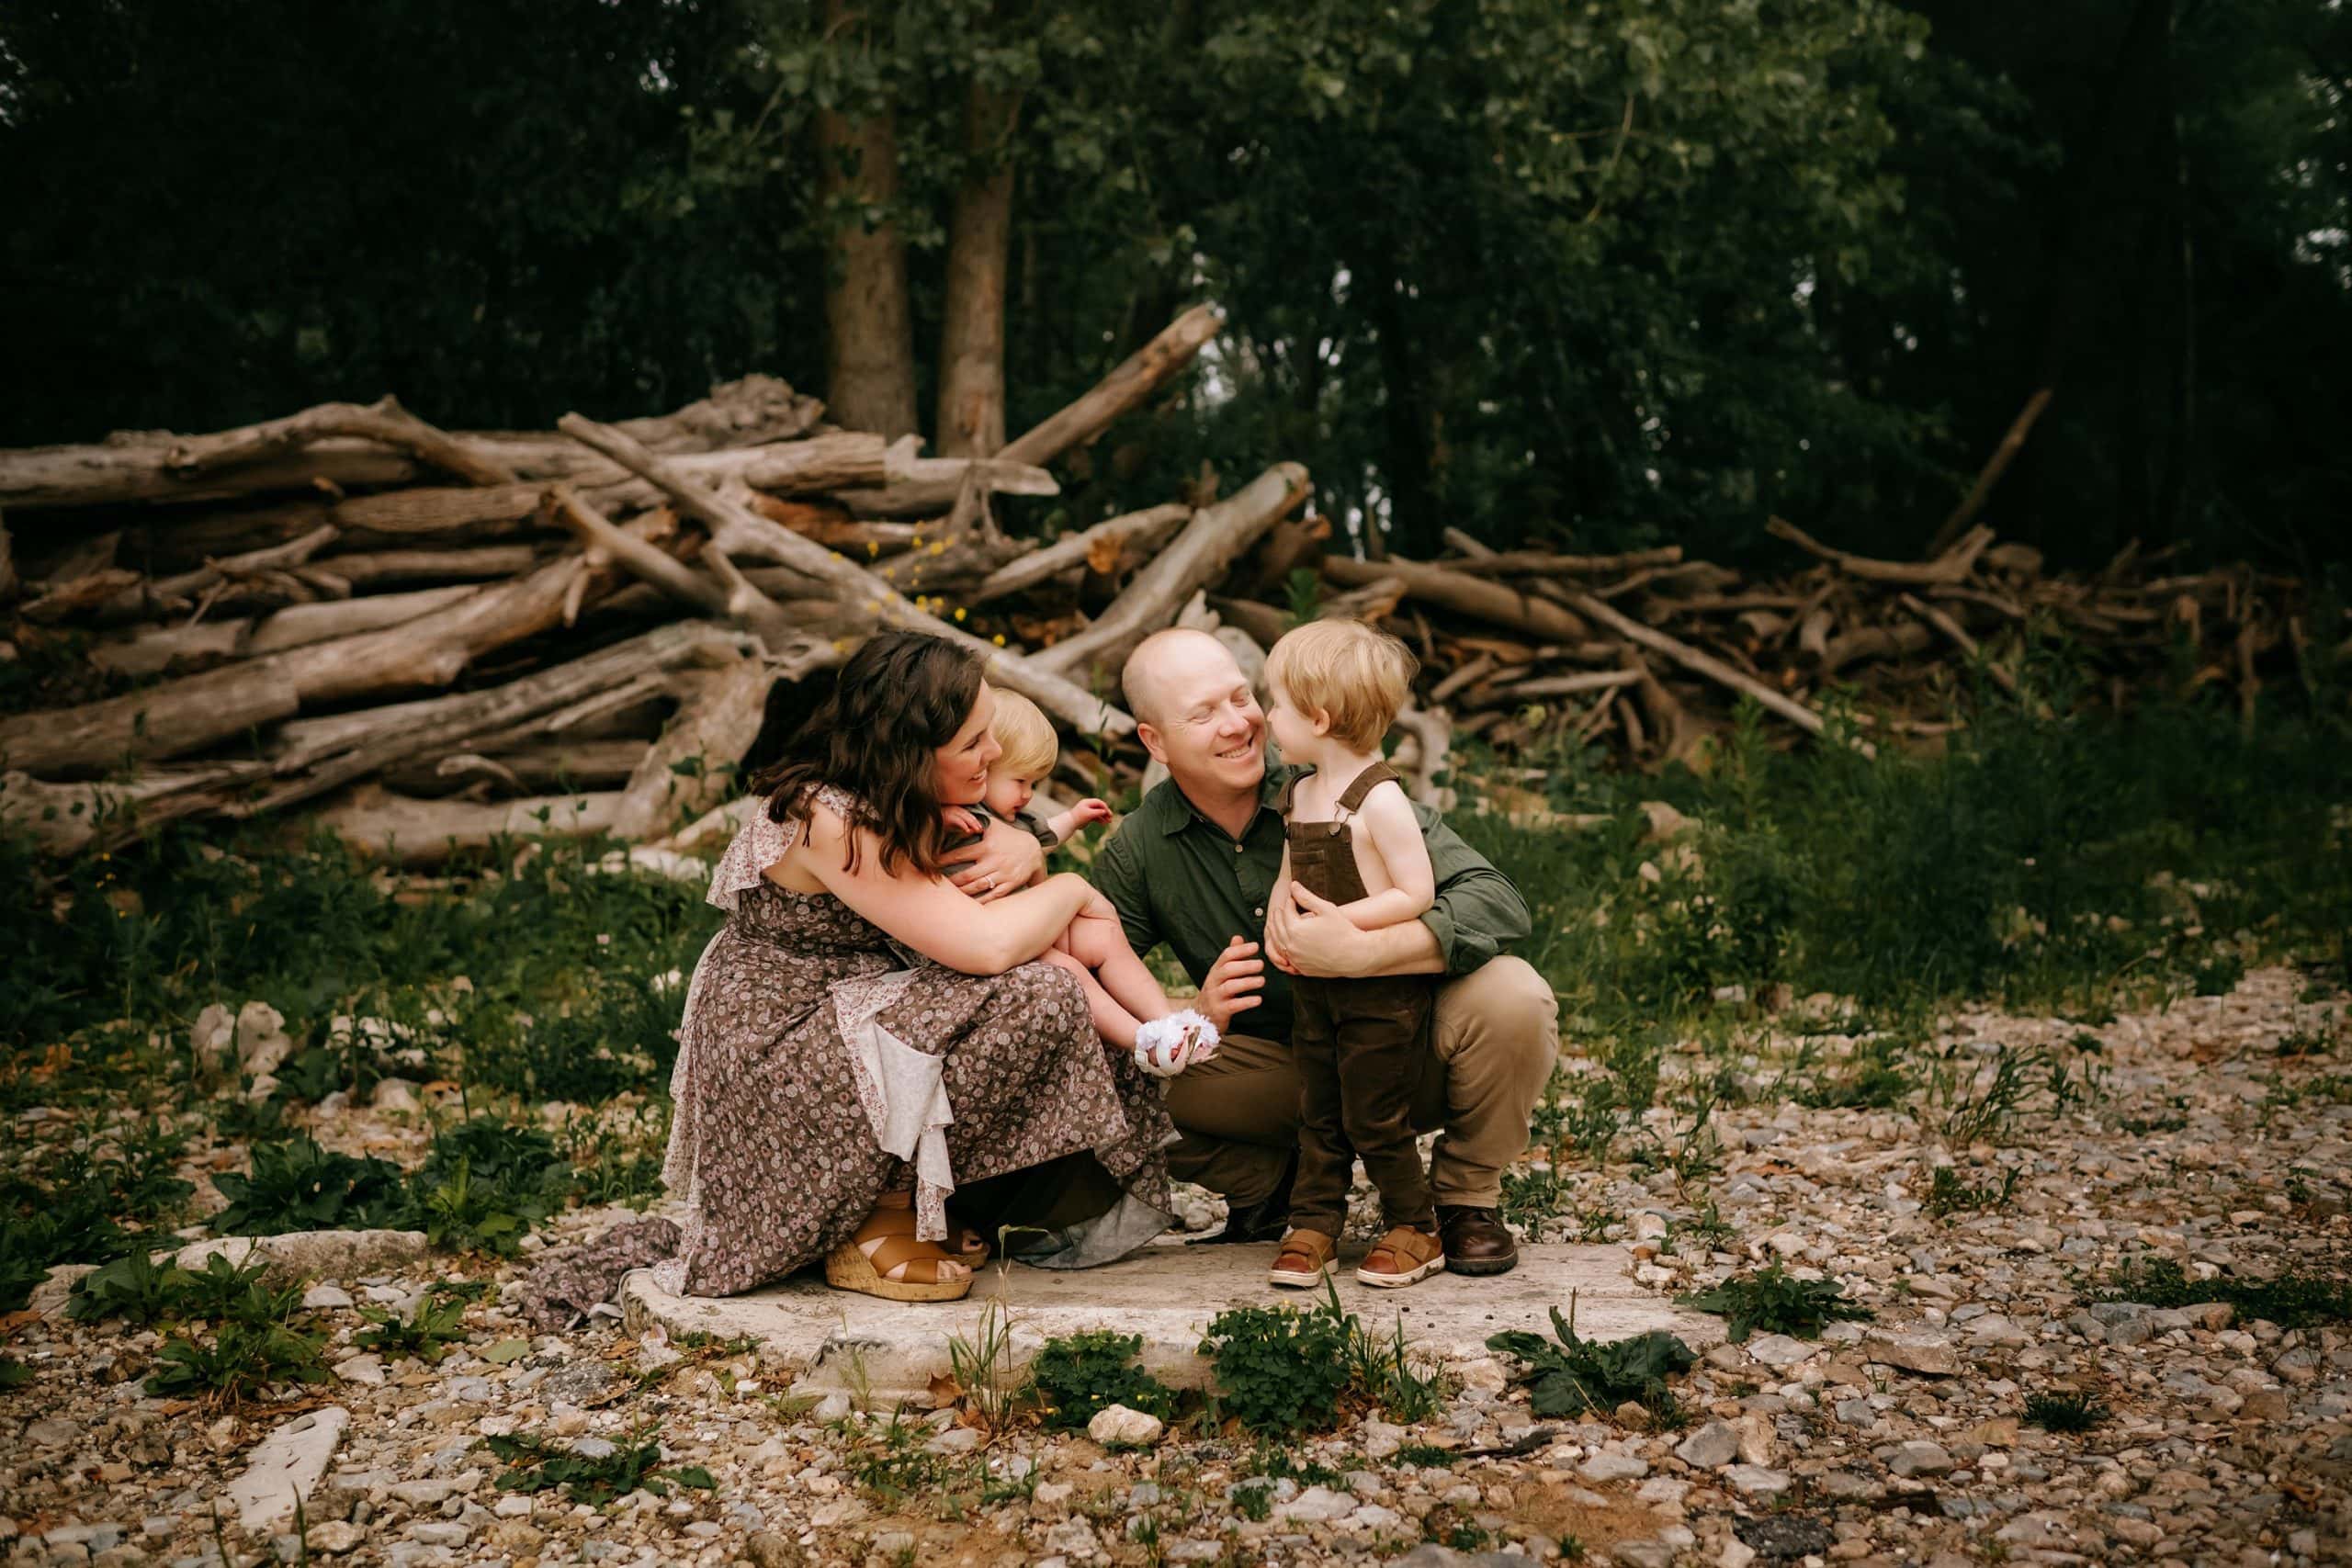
{"points": [[1305, 1260], [1404, 1257]]}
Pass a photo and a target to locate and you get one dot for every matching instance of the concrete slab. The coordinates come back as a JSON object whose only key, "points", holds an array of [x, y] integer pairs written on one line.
{"points": [[1167, 1294]]}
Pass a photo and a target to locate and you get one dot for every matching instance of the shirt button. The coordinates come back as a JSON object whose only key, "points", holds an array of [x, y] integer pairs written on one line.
{"points": [[1260, 913]]}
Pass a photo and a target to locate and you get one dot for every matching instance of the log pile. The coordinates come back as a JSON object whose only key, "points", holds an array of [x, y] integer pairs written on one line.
{"points": [[431, 639], [1648, 653]]}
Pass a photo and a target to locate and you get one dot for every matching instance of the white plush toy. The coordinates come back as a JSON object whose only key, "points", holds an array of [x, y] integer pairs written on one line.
{"points": [[1166, 1046]]}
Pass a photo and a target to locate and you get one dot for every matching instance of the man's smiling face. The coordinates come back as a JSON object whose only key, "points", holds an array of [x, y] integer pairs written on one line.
{"points": [[1197, 712]]}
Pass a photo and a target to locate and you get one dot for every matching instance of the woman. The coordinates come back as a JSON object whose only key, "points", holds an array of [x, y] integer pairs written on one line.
{"points": [[861, 1038]]}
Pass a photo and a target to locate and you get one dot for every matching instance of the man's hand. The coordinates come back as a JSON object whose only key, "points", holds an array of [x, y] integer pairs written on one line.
{"points": [[1004, 862], [1232, 985], [1312, 937]]}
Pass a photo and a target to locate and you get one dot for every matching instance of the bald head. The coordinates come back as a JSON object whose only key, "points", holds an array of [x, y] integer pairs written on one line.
{"points": [[1171, 659], [1197, 712]]}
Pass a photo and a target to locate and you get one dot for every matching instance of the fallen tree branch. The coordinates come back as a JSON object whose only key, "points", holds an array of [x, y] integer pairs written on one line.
{"points": [[383, 421], [1952, 566], [1134, 378], [1957, 635], [1463, 595], [2012, 443], [736, 529], [1692, 659], [1543, 563], [416, 833], [1140, 532], [717, 726], [1211, 542]]}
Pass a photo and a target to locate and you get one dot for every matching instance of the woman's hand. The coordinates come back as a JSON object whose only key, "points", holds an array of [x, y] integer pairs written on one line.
{"points": [[1004, 862]]}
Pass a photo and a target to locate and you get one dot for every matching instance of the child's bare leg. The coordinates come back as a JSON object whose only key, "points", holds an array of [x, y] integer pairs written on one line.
{"points": [[1103, 947], [1113, 1022]]}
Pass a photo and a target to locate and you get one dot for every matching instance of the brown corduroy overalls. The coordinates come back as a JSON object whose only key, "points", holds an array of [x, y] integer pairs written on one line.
{"points": [[1361, 1047]]}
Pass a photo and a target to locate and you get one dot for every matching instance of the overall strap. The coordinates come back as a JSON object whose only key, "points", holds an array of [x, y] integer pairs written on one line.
{"points": [[1351, 801], [1289, 794]]}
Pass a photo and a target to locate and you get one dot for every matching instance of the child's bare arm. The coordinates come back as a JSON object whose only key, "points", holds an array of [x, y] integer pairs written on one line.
{"points": [[1085, 814], [1388, 816]]}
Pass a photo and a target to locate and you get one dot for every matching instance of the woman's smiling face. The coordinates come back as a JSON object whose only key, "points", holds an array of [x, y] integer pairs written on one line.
{"points": [[965, 761]]}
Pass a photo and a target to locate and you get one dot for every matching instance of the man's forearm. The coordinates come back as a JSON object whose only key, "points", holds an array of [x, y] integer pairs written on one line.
{"points": [[1410, 948]]}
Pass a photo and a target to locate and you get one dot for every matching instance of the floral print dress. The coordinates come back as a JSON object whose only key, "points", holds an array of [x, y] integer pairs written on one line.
{"points": [[822, 1065]]}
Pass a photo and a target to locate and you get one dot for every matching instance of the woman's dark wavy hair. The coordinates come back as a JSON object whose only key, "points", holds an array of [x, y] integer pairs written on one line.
{"points": [[871, 733]]}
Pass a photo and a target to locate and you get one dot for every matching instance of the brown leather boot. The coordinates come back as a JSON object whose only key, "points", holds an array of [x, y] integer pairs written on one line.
{"points": [[1477, 1241]]}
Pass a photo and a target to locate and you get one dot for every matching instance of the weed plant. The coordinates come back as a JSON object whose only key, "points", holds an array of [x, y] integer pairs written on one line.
{"points": [[2065, 1410], [1949, 1194], [1585, 1377], [2293, 1298], [535, 1465], [1075, 1377], [1777, 1301]]}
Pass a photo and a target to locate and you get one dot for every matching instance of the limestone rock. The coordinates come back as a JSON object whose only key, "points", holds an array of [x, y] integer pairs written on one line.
{"points": [[1927, 1353], [286, 1466], [335, 1536], [1756, 1481], [1779, 1350], [1921, 1459], [1711, 1447], [1115, 1426], [311, 1254], [1605, 1467]]}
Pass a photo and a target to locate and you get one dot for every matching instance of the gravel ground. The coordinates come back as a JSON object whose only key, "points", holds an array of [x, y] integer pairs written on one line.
{"points": [[1901, 1439]]}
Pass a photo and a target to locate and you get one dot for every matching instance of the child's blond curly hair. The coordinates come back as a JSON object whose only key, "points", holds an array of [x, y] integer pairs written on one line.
{"points": [[1354, 675], [1031, 747]]}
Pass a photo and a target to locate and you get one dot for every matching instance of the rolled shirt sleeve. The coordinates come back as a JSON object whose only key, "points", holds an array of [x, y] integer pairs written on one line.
{"points": [[1477, 913]]}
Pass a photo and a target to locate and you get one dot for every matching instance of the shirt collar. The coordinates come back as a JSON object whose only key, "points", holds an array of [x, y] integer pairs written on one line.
{"points": [[1173, 810]]}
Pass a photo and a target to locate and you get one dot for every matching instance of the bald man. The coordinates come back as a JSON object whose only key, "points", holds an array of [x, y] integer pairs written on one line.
{"points": [[1194, 867]]}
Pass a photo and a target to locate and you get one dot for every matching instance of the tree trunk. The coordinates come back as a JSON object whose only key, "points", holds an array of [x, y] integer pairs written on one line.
{"points": [[870, 333], [980, 244]]}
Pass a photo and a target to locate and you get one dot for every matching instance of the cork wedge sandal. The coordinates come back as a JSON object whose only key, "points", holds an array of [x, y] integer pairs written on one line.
{"points": [[1404, 1257], [1305, 1261], [922, 1265]]}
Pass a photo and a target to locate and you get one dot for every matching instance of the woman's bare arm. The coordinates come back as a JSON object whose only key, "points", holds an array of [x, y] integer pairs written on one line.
{"points": [[928, 914]]}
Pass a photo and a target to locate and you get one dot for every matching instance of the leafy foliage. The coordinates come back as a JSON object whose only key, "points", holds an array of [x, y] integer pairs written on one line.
{"points": [[1949, 1193], [240, 1362], [298, 1186], [537, 1465], [2065, 1410], [1278, 1370], [1074, 1377], [1777, 1301], [2294, 1298], [425, 1333], [132, 1288], [1585, 1377]]}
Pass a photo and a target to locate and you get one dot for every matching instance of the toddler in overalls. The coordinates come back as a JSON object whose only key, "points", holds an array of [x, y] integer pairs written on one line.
{"points": [[1362, 1045]]}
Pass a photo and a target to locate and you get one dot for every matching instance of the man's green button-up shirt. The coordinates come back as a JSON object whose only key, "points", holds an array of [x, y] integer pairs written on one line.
{"points": [[1177, 877]]}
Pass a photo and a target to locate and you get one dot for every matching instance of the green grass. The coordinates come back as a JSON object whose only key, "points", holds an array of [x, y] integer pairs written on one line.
{"points": [[2071, 867], [2294, 1298]]}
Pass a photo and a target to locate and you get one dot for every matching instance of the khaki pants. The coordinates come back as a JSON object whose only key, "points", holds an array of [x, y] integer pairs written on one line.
{"points": [[1497, 1033]]}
